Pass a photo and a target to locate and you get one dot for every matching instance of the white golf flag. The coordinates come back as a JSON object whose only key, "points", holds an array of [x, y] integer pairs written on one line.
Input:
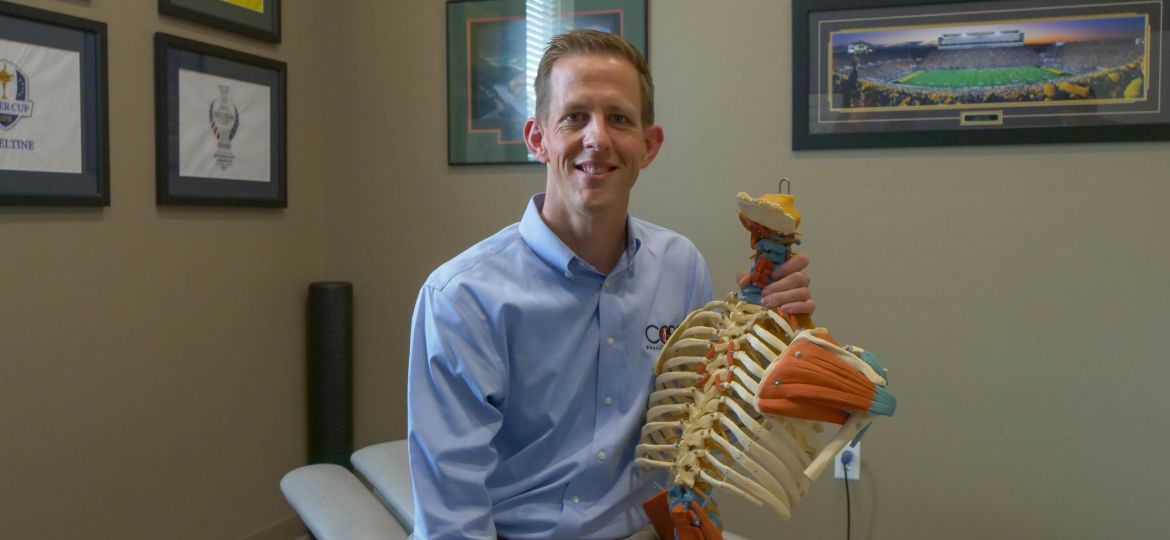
{"points": [[224, 128], [40, 108]]}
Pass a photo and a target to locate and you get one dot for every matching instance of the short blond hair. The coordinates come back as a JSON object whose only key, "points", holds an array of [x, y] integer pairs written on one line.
{"points": [[585, 41]]}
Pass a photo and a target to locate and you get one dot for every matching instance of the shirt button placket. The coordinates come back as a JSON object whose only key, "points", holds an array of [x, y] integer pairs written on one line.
{"points": [[610, 360]]}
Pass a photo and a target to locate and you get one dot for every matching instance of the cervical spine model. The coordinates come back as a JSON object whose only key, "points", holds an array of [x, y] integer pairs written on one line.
{"points": [[741, 392]]}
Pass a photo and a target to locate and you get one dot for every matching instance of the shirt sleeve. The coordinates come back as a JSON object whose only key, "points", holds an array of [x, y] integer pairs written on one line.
{"points": [[456, 386]]}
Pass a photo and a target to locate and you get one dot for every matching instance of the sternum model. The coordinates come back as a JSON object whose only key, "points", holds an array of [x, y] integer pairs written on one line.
{"points": [[741, 394]]}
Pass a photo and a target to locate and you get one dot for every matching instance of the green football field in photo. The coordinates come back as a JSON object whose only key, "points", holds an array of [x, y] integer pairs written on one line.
{"points": [[966, 78]]}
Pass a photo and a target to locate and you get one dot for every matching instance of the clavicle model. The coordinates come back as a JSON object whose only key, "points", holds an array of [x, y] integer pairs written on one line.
{"points": [[742, 393]]}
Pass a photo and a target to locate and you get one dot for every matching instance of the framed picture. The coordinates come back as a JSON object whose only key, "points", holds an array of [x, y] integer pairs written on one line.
{"points": [[493, 50], [54, 113], [254, 18], [880, 73], [220, 125]]}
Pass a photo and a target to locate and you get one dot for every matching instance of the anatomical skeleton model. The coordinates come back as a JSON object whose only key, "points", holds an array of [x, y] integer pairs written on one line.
{"points": [[742, 391]]}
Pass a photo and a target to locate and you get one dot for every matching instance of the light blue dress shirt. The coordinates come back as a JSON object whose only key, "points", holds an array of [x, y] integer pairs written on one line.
{"points": [[529, 374]]}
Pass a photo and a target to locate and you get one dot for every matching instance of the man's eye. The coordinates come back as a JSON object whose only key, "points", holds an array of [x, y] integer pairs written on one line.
{"points": [[574, 117], [619, 119]]}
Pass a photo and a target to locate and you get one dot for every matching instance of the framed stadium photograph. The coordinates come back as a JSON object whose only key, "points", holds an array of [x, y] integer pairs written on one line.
{"points": [[253, 18], [54, 111], [886, 73], [493, 50], [220, 126]]}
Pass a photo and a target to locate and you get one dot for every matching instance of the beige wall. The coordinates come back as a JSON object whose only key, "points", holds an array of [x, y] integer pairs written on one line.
{"points": [[152, 369], [151, 359]]}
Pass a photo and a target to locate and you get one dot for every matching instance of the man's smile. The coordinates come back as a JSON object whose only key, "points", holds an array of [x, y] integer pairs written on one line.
{"points": [[594, 168]]}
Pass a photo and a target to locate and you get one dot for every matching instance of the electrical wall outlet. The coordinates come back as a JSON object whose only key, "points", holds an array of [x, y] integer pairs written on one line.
{"points": [[854, 463]]}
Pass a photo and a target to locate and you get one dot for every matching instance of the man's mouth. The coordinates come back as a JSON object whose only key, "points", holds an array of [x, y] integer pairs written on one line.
{"points": [[594, 168]]}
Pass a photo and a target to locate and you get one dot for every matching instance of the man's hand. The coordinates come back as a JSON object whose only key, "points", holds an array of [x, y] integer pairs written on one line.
{"points": [[789, 288]]}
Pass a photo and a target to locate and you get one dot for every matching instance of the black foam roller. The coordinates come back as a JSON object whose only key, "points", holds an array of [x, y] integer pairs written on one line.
{"points": [[330, 353]]}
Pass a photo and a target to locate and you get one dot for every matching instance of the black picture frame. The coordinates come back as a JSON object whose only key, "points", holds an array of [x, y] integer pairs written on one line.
{"points": [[217, 13], [173, 53], [90, 186], [1101, 81], [489, 62]]}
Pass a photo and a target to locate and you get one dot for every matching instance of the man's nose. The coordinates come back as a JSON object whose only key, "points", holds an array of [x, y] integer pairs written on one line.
{"points": [[597, 134]]}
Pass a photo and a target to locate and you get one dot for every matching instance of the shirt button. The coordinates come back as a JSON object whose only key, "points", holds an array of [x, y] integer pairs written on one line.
{"points": [[608, 401], [609, 342], [601, 455], [606, 285], [575, 499]]}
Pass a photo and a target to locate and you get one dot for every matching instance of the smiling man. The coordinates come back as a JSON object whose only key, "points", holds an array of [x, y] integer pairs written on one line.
{"points": [[530, 358]]}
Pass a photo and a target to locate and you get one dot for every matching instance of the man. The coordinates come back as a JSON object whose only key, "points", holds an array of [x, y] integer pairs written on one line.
{"points": [[531, 352]]}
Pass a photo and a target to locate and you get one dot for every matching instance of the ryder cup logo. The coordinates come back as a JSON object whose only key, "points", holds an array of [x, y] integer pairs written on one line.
{"points": [[225, 121], [14, 103]]}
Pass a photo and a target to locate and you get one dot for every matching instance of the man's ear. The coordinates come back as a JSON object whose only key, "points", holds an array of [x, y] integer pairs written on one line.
{"points": [[654, 137], [534, 139]]}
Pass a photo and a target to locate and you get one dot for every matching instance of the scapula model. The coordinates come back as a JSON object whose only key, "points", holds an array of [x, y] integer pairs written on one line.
{"points": [[741, 392]]}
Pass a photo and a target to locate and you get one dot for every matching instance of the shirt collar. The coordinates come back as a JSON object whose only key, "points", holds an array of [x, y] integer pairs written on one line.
{"points": [[549, 247]]}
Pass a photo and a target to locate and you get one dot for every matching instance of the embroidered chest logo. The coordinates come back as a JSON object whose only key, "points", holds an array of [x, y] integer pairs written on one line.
{"points": [[656, 336]]}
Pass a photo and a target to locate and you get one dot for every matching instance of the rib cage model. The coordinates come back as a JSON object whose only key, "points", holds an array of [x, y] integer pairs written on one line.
{"points": [[741, 394]]}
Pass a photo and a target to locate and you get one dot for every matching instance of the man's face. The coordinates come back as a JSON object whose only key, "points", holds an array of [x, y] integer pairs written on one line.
{"points": [[592, 139]]}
